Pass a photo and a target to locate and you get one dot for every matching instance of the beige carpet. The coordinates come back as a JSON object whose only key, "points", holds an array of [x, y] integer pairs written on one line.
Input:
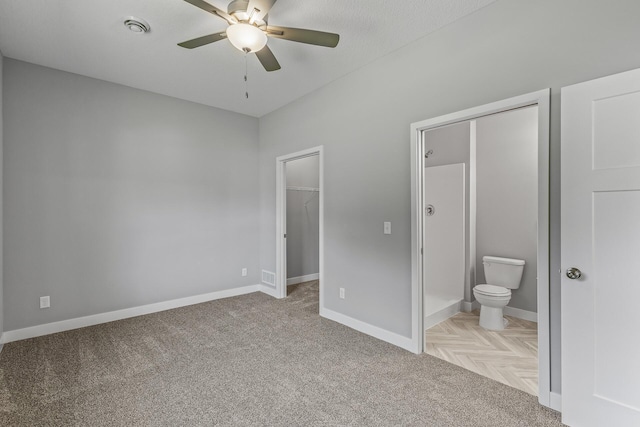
{"points": [[249, 360]]}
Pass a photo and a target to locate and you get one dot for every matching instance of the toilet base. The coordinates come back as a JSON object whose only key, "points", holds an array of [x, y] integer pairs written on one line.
{"points": [[491, 318]]}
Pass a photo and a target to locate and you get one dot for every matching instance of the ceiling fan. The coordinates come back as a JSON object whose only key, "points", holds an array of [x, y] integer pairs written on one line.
{"points": [[248, 30]]}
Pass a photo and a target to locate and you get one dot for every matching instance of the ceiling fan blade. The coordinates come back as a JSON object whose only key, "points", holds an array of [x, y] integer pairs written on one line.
{"points": [[213, 10], [267, 59], [263, 7], [201, 41], [318, 38]]}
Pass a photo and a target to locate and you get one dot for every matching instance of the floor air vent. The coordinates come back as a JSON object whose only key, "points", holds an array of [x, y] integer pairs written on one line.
{"points": [[268, 278]]}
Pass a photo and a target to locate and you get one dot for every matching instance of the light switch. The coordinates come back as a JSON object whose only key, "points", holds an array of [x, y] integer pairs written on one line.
{"points": [[387, 227]]}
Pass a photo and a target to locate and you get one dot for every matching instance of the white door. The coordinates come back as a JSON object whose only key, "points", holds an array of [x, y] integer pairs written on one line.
{"points": [[444, 237], [601, 237]]}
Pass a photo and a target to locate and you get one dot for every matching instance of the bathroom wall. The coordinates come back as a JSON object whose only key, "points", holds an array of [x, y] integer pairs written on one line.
{"points": [[303, 220], [506, 156], [450, 145], [507, 191]]}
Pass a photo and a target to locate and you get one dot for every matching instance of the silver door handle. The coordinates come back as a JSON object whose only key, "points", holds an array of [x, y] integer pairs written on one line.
{"points": [[574, 273]]}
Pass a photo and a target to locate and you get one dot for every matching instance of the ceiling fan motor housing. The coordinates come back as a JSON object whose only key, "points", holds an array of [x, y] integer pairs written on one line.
{"points": [[237, 6], [248, 30], [238, 9]]}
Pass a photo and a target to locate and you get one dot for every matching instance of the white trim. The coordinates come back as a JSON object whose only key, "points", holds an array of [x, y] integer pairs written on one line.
{"points": [[531, 316], [269, 290], [365, 328], [312, 189], [542, 100], [472, 277], [302, 279], [468, 307], [544, 327], [96, 319], [281, 218], [521, 314], [555, 401], [442, 315]]}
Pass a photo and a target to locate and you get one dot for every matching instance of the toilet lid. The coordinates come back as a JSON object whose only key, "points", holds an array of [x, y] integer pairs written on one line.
{"points": [[492, 290]]}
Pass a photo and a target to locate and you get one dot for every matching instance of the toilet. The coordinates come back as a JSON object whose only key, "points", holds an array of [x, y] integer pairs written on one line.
{"points": [[502, 275]]}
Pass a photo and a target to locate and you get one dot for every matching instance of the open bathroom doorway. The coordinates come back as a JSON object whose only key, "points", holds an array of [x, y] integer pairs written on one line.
{"points": [[299, 202], [480, 199]]}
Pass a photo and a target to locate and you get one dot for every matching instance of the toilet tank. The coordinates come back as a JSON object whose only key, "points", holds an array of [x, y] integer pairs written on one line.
{"points": [[505, 272]]}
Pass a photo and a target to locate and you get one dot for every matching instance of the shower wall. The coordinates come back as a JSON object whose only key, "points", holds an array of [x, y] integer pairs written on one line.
{"points": [[444, 245], [450, 145]]}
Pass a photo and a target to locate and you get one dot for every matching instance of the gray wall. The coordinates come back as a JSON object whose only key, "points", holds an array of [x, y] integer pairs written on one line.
{"points": [[508, 48], [450, 145], [507, 196], [303, 221], [1, 198], [116, 197]]}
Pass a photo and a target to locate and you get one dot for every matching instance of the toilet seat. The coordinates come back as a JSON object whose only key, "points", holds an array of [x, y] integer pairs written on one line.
{"points": [[492, 290]]}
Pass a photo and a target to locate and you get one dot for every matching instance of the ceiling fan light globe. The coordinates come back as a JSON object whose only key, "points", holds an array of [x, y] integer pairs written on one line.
{"points": [[246, 37]]}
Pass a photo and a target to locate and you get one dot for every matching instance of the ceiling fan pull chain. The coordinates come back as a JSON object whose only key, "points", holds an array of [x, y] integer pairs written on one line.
{"points": [[246, 83]]}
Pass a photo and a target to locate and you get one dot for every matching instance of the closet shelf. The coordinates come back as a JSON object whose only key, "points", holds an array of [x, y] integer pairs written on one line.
{"points": [[303, 189]]}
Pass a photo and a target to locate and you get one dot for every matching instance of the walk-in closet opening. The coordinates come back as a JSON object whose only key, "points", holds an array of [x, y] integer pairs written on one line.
{"points": [[299, 226], [303, 224]]}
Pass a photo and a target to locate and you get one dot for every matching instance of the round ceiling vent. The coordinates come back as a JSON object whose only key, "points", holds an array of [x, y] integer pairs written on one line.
{"points": [[136, 25]]}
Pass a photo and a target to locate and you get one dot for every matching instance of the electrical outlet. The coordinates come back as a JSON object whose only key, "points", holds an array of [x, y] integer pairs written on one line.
{"points": [[387, 227], [341, 293], [45, 302], [244, 272]]}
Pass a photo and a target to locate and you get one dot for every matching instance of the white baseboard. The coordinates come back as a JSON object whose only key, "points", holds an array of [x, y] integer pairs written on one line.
{"points": [[302, 279], [374, 331], [555, 401], [267, 289], [442, 315], [521, 314], [468, 307], [81, 322]]}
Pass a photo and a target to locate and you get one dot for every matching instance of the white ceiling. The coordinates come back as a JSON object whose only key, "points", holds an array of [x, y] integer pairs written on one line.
{"points": [[88, 37]]}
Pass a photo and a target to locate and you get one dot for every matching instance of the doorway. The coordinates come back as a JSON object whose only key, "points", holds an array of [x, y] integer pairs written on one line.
{"points": [[299, 223], [480, 187], [302, 225], [485, 221]]}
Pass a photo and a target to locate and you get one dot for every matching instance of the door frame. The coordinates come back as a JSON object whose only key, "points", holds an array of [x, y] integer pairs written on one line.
{"points": [[540, 98], [281, 218]]}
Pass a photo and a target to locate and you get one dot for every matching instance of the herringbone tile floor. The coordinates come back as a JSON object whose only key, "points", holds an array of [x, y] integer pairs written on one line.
{"points": [[509, 356]]}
